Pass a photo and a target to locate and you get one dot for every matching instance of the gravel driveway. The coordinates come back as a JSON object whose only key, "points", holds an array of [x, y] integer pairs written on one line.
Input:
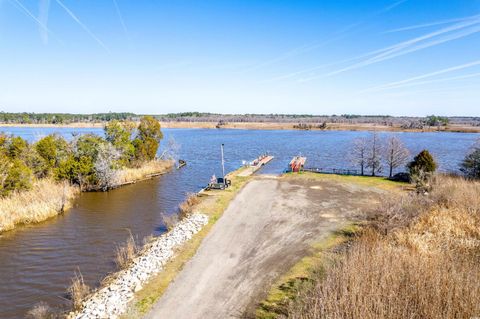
{"points": [[265, 230]]}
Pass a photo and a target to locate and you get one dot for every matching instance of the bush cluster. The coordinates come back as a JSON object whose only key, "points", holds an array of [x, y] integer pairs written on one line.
{"points": [[89, 161]]}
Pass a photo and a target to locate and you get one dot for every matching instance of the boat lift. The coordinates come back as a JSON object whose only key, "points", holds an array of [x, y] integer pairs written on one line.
{"points": [[297, 164], [220, 182]]}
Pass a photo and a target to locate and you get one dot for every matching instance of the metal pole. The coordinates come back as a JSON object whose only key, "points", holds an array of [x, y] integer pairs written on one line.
{"points": [[223, 166]]}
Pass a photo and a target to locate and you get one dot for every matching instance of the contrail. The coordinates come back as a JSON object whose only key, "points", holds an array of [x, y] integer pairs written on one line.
{"points": [[459, 26], [120, 17], [426, 25], [84, 27], [43, 17], [28, 13], [406, 46], [307, 48], [410, 84], [424, 76], [390, 7]]}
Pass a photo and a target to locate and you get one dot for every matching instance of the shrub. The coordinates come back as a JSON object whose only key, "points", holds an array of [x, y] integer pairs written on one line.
{"points": [[47, 150], [79, 171], [18, 177], [148, 139], [17, 147], [421, 170], [471, 164], [119, 135], [422, 162]]}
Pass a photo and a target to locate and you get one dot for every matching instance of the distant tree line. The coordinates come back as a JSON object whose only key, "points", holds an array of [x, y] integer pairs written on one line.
{"points": [[89, 160], [301, 121], [63, 118], [295, 119]]}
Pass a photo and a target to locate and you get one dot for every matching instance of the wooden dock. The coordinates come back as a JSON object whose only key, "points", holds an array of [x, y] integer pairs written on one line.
{"points": [[255, 165]]}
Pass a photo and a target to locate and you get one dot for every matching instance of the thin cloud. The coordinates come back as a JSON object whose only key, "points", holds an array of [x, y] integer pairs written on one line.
{"points": [[83, 26], [43, 18], [304, 49], [411, 46], [294, 52], [120, 17], [401, 83]]}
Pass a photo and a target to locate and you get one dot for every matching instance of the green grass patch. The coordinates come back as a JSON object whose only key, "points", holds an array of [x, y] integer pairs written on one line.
{"points": [[372, 181], [306, 271]]}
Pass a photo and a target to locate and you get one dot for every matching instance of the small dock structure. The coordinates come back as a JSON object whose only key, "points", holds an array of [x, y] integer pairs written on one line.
{"points": [[297, 164], [255, 165]]}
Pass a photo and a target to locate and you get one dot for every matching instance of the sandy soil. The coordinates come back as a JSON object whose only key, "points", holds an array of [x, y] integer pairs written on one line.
{"points": [[265, 230]]}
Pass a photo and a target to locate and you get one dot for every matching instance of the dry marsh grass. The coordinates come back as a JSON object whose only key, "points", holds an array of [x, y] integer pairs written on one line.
{"points": [[379, 280], [78, 291], [147, 169], [46, 199], [40, 311], [423, 264], [126, 252], [186, 207]]}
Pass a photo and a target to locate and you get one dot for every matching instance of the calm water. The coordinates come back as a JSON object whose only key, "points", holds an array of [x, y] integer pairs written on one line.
{"points": [[37, 261]]}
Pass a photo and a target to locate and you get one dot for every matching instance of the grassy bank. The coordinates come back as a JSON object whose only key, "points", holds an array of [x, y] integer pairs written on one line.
{"points": [[369, 181], [146, 170], [48, 198], [213, 205], [418, 259], [45, 199]]}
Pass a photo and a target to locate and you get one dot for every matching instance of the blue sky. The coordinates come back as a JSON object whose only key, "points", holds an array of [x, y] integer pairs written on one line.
{"points": [[397, 57]]}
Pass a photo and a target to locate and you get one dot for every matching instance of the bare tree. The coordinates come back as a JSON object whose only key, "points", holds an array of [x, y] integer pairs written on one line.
{"points": [[171, 150], [395, 154], [4, 168], [374, 154], [358, 157], [104, 166]]}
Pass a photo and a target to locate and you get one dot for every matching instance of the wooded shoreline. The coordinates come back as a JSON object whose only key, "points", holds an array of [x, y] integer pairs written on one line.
{"points": [[49, 198]]}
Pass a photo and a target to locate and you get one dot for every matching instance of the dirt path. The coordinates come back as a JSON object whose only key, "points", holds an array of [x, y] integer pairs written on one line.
{"points": [[266, 229]]}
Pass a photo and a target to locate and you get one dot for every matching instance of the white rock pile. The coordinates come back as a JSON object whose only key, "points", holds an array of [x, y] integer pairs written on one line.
{"points": [[111, 301]]}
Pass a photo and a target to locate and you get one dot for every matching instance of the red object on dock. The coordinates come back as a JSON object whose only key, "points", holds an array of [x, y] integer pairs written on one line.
{"points": [[297, 163]]}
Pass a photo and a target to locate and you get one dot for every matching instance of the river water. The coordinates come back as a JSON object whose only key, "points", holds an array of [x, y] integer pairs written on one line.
{"points": [[37, 261]]}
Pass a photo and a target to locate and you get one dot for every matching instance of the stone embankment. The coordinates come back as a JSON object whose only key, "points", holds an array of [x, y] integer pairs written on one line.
{"points": [[111, 301]]}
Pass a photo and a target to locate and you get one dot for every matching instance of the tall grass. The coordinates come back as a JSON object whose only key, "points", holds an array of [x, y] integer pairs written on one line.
{"points": [[126, 253], [186, 207], [184, 210], [145, 170], [78, 290], [423, 264], [46, 199], [40, 311]]}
